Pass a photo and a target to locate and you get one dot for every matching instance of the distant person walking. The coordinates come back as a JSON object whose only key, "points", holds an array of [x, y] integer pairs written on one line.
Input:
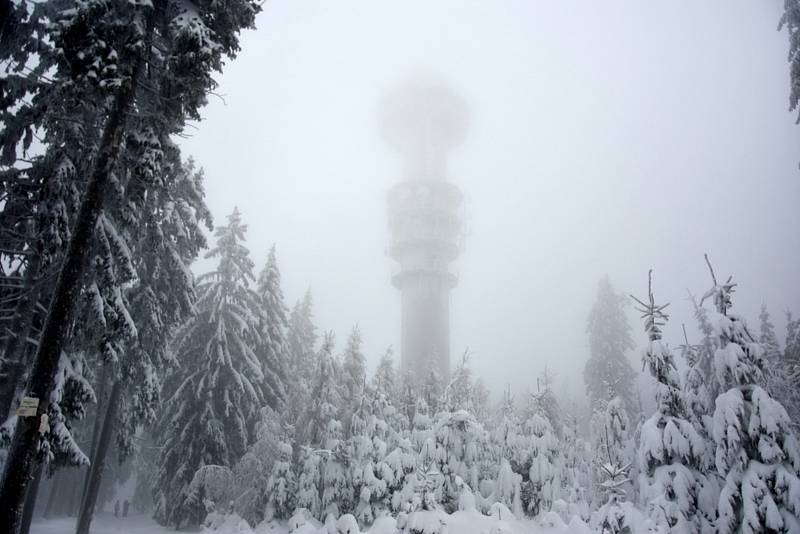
{"points": [[125, 507], [116, 508]]}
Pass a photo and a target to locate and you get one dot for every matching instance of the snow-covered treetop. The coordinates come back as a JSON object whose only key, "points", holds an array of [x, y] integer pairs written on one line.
{"points": [[653, 314], [719, 293]]}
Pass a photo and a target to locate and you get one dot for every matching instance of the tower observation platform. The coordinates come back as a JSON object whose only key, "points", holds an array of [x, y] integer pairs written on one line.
{"points": [[423, 121]]}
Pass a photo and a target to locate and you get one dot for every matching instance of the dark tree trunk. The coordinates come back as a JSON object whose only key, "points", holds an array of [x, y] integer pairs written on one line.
{"points": [[30, 500], [96, 427], [20, 329], [21, 459], [6, 11], [98, 465]]}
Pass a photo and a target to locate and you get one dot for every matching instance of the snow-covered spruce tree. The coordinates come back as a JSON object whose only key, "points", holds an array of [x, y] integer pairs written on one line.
{"points": [[457, 393], [781, 367], [322, 429], [369, 490], [544, 475], [767, 337], [776, 380], [166, 238], [790, 371], [309, 480], [251, 473], [282, 487], [273, 326], [671, 450], [398, 470], [507, 438], [699, 411], [576, 479], [135, 288], [431, 389], [458, 451], [422, 434], [301, 340], [544, 402], [757, 453], [354, 375], [385, 379], [608, 373], [611, 444], [100, 52], [791, 21], [214, 396], [508, 488], [385, 402], [611, 518]]}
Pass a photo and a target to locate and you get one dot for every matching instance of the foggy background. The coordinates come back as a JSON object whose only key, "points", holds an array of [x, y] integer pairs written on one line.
{"points": [[605, 138]]}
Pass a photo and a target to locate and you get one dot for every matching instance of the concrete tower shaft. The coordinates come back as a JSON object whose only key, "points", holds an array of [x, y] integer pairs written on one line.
{"points": [[423, 121]]}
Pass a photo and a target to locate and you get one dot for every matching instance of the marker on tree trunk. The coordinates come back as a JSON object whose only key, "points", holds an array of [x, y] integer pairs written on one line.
{"points": [[28, 407]]}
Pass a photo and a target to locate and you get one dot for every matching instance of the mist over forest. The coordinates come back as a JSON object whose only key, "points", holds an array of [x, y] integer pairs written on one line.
{"points": [[340, 267]]}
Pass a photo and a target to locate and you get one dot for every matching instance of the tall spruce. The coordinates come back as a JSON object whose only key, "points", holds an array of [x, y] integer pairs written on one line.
{"points": [[99, 55], [608, 373], [301, 340], [273, 350], [215, 394]]}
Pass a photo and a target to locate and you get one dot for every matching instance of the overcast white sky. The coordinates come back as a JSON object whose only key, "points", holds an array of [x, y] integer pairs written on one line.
{"points": [[605, 137]]}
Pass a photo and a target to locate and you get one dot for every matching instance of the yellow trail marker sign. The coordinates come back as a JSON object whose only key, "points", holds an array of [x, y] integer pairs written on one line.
{"points": [[28, 407]]}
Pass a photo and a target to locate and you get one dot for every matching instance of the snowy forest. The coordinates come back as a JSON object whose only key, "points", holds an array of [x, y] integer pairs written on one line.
{"points": [[155, 377]]}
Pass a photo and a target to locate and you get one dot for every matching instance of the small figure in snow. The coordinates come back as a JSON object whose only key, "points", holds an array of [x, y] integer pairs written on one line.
{"points": [[125, 506], [116, 508]]}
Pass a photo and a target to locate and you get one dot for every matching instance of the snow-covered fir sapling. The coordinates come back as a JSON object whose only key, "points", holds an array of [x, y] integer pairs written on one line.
{"points": [[282, 483], [545, 459], [307, 496], [756, 450], [368, 490], [671, 451], [613, 481], [699, 411]]}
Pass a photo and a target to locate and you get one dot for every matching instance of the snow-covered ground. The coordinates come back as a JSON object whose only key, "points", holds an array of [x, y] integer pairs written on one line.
{"points": [[104, 523], [468, 522]]}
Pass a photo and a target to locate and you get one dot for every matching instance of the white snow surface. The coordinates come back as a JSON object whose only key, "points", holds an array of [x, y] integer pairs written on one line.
{"points": [[461, 522]]}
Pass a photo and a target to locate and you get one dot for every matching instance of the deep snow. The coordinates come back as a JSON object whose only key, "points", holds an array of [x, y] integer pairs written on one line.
{"points": [[464, 522]]}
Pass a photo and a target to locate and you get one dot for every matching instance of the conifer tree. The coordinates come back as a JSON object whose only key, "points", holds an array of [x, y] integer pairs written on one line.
{"points": [[301, 339], [756, 451], [273, 350], [363, 445], [385, 379], [790, 371], [215, 395], [354, 374], [608, 373], [544, 472], [309, 481], [282, 484], [671, 450], [457, 454], [99, 56], [699, 410]]}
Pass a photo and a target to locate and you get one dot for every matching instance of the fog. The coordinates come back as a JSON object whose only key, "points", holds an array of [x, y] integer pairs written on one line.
{"points": [[604, 138]]}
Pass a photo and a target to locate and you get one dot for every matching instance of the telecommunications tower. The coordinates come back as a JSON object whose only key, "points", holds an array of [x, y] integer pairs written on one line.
{"points": [[423, 121]]}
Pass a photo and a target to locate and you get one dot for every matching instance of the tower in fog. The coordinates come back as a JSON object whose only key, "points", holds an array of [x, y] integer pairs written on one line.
{"points": [[423, 121]]}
